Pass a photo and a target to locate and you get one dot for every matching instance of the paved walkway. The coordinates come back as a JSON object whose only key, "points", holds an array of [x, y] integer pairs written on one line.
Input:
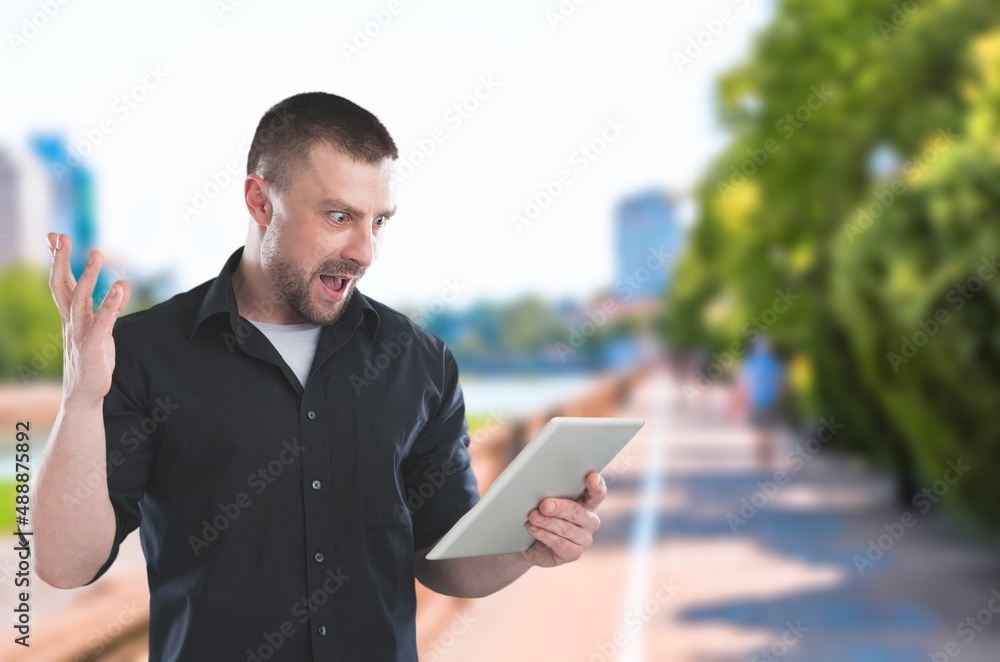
{"points": [[672, 577]]}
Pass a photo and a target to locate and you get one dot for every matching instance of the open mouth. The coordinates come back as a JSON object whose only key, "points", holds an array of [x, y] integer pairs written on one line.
{"points": [[335, 284]]}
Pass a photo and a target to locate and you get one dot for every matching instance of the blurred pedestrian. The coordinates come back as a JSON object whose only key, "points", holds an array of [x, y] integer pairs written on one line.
{"points": [[760, 387]]}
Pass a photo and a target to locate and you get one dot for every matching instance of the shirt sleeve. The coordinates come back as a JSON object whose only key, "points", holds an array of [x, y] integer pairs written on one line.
{"points": [[129, 428], [439, 465]]}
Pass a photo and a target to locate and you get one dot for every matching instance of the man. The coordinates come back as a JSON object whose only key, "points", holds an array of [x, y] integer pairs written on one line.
{"points": [[759, 388], [289, 448]]}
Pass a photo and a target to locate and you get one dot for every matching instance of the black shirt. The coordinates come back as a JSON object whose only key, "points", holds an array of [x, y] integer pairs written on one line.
{"points": [[279, 521]]}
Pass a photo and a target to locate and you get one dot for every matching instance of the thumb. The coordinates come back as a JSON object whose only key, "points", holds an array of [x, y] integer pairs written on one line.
{"points": [[594, 491]]}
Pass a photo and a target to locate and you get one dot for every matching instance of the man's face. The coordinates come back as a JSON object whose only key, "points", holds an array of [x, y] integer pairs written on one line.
{"points": [[325, 232]]}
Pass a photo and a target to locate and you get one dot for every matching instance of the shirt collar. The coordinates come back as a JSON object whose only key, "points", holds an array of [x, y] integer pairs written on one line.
{"points": [[221, 298]]}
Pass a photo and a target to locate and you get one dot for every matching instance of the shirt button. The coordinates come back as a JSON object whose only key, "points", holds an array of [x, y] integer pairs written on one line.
{"points": [[322, 630], [317, 484], [311, 414], [319, 557]]}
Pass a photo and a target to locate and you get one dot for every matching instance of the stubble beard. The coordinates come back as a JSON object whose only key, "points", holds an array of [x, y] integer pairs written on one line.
{"points": [[294, 286]]}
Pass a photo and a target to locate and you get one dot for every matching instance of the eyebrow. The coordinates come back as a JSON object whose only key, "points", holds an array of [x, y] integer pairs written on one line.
{"points": [[340, 205]]}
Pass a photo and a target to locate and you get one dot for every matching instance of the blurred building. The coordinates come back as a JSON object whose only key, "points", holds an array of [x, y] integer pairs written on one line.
{"points": [[45, 189], [72, 194], [648, 237], [612, 329], [25, 208]]}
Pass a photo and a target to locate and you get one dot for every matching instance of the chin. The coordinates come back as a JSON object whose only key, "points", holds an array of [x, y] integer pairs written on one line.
{"points": [[326, 313]]}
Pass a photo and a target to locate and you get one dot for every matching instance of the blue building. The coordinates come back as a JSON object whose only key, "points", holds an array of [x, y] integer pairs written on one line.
{"points": [[72, 203], [648, 240]]}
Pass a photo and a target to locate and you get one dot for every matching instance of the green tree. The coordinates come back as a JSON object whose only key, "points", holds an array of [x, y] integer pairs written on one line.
{"points": [[828, 86], [30, 330]]}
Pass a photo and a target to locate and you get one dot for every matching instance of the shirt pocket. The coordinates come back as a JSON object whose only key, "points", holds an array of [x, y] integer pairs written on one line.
{"points": [[383, 439]]}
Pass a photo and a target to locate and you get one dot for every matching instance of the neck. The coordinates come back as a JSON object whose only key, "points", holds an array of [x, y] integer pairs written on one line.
{"points": [[256, 298]]}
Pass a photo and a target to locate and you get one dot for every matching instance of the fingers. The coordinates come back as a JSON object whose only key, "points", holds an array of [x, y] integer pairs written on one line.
{"points": [[61, 279], [83, 301], [565, 526], [566, 519], [75, 298], [594, 493], [114, 303], [563, 548], [126, 294]]}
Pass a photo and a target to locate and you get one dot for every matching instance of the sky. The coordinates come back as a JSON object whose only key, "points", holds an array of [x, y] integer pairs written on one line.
{"points": [[489, 103]]}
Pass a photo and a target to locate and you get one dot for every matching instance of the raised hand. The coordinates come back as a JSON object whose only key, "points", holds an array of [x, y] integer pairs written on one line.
{"points": [[88, 346]]}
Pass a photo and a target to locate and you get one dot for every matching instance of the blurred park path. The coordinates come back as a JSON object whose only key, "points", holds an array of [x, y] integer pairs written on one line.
{"points": [[702, 555], [677, 572]]}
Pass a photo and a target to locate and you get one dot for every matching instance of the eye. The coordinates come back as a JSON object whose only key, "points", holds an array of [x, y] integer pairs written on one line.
{"points": [[338, 217], [381, 221]]}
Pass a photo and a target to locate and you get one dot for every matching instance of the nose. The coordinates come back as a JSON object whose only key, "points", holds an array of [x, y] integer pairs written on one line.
{"points": [[361, 245]]}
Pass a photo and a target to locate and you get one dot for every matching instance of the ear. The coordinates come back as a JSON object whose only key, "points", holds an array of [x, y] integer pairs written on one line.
{"points": [[258, 199]]}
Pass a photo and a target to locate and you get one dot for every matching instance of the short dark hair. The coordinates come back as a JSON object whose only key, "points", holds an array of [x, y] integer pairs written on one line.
{"points": [[290, 128]]}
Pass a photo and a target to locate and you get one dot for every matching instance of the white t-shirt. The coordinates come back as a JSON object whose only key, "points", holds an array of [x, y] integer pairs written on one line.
{"points": [[295, 342]]}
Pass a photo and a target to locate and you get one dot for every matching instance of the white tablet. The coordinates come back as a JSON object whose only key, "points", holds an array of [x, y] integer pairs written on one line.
{"points": [[553, 464]]}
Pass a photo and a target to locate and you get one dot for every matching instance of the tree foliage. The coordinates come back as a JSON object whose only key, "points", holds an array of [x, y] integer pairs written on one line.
{"points": [[864, 176]]}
